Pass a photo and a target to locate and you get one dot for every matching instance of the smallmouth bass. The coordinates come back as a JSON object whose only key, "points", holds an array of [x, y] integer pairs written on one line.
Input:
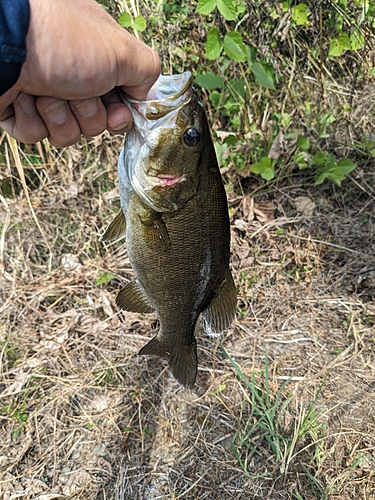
{"points": [[174, 217]]}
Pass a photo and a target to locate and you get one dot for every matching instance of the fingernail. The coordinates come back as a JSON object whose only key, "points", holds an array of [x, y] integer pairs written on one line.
{"points": [[26, 103], [123, 126], [57, 112], [88, 107]]}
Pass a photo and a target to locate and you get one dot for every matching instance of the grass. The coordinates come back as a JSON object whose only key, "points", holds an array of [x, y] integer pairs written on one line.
{"points": [[82, 416], [267, 420]]}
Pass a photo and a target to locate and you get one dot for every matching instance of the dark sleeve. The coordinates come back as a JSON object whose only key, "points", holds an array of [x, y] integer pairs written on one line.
{"points": [[14, 23]]}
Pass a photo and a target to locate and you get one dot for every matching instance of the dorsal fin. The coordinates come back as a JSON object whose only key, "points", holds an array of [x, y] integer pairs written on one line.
{"points": [[218, 316]]}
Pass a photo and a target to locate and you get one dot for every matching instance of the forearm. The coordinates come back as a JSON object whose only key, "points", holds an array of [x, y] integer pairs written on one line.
{"points": [[14, 24]]}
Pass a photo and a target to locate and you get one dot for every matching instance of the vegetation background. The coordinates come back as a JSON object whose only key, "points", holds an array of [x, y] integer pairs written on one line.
{"points": [[283, 406]]}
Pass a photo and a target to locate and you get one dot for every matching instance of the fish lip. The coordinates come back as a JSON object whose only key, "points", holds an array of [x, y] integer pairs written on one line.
{"points": [[152, 97], [160, 103], [170, 180]]}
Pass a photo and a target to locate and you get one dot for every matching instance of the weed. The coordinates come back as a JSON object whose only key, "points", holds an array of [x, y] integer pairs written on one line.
{"points": [[261, 423], [259, 73], [17, 411], [9, 353], [104, 278], [94, 390]]}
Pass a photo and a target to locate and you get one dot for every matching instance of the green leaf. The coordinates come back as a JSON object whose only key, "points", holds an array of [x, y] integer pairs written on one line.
{"points": [[221, 388], [303, 143], [231, 140], [125, 20], [215, 98], [322, 158], [300, 159], [357, 40], [300, 15], [214, 44], [227, 9], [104, 278], [231, 106], [319, 159], [209, 81], [238, 86], [236, 122], [346, 165], [266, 168], [339, 45], [205, 7], [327, 119], [251, 54], [139, 23], [33, 159], [261, 76], [241, 9], [234, 47], [335, 172]]}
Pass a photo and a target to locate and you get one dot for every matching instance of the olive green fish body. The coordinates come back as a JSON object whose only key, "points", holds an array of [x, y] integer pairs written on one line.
{"points": [[177, 236]]}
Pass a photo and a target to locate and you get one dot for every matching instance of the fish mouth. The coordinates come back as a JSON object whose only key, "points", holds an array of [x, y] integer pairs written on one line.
{"points": [[167, 94], [168, 180], [154, 118], [167, 88]]}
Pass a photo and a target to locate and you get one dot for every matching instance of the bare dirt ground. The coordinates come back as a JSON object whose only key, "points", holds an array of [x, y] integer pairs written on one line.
{"points": [[83, 416]]}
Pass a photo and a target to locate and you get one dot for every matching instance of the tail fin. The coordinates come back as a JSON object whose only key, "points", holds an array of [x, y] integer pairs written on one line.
{"points": [[183, 360]]}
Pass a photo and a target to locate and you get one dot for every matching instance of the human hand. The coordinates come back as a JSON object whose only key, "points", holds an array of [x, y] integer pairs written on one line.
{"points": [[76, 56]]}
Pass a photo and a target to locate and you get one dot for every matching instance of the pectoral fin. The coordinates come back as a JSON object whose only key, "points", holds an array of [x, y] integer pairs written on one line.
{"points": [[183, 360], [132, 298], [116, 202], [218, 316], [154, 230], [116, 228]]}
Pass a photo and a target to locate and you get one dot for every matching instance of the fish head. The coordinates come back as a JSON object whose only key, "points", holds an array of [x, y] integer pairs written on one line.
{"points": [[162, 152]]}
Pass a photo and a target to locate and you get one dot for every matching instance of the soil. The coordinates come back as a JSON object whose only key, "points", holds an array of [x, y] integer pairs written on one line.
{"points": [[83, 416]]}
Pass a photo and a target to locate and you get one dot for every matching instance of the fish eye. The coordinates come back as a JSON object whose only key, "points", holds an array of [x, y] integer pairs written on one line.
{"points": [[191, 137]]}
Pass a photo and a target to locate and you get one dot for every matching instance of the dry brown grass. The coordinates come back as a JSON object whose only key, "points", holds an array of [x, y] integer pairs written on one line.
{"points": [[82, 416]]}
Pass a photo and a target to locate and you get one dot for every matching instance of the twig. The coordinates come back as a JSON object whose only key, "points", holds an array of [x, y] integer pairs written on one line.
{"points": [[320, 242], [3, 232]]}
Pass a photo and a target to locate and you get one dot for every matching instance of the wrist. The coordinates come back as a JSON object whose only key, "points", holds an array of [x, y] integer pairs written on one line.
{"points": [[14, 24]]}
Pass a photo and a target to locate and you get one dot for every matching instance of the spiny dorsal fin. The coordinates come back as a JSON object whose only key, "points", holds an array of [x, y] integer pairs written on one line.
{"points": [[220, 313], [116, 228], [133, 298], [183, 360]]}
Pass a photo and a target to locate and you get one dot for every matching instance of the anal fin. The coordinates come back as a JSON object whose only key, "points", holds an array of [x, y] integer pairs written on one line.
{"points": [[183, 360], [218, 316], [133, 298]]}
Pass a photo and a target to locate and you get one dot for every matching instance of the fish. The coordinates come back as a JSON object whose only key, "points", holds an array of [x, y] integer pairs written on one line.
{"points": [[174, 217]]}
